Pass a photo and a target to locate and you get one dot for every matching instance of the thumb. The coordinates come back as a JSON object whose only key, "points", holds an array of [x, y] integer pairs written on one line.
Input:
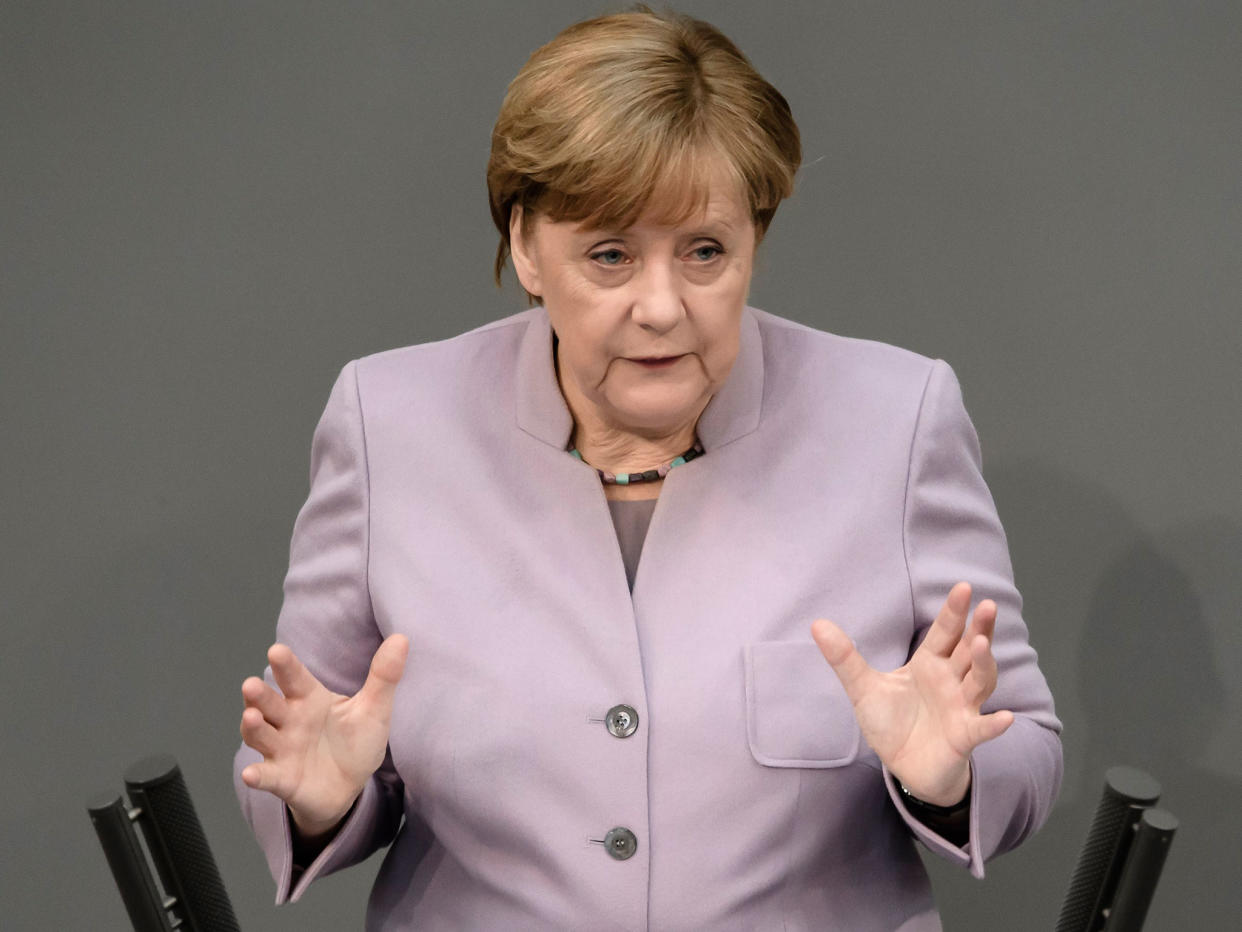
{"points": [[387, 667], [848, 664], [991, 726]]}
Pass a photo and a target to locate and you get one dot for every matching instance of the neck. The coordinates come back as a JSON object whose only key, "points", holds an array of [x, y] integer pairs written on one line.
{"points": [[617, 448]]}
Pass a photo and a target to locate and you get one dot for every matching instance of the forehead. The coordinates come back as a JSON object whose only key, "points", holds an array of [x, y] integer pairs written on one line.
{"points": [[712, 198], [720, 207], [691, 189]]}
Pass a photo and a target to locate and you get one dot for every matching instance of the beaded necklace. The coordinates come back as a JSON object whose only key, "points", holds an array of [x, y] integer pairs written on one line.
{"points": [[647, 475]]}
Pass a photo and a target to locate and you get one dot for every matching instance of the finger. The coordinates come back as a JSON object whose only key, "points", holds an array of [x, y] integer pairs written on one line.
{"points": [[851, 669], [982, 622], [990, 726], [294, 680], [257, 694], [258, 732], [264, 776], [946, 630], [387, 666], [981, 680]]}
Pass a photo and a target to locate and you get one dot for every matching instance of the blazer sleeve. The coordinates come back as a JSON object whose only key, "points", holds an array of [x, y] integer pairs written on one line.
{"points": [[326, 618], [952, 533]]}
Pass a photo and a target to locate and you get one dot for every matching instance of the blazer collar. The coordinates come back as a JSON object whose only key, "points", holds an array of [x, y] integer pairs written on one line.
{"points": [[732, 412]]}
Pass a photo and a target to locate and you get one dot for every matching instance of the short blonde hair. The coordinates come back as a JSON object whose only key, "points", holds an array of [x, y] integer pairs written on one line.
{"points": [[621, 108]]}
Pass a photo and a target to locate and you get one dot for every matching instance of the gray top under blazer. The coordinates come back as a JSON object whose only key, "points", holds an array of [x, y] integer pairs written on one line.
{"points": [[841, 479]]}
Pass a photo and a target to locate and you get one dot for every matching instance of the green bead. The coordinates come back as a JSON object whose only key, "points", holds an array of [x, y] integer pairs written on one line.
{"points": [[677, 462], [575, 454], [623, 478]]}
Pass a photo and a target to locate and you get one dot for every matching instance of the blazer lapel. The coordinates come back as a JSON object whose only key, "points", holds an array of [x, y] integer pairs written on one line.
{"points": [[541, 409], [734, 411]]}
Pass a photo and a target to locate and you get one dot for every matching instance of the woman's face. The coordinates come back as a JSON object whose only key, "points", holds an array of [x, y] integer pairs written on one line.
{"points": [[647, 317]]}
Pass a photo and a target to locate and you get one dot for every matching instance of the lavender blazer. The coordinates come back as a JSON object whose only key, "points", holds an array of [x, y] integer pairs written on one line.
{"points": [[841, 479]]}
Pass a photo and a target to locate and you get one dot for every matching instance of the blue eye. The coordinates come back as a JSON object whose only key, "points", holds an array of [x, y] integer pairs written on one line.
{"points": [[609, 257], [707, 253]]}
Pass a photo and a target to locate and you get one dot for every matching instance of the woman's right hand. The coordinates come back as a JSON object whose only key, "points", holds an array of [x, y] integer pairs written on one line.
{"points": [[319, 748]]}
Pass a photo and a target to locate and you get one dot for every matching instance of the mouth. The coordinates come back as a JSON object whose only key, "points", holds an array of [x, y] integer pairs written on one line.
{"points": [[656, 362]]}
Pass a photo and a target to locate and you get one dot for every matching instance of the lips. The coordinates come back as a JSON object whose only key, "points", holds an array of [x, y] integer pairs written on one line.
{"points": [[656, 361]]}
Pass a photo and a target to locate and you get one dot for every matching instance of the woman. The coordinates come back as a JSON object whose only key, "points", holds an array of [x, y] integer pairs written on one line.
{"points": [[575, 736]]}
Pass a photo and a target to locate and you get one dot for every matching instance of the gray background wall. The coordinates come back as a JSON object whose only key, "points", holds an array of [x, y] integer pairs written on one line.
{"points": [[207, 208]]}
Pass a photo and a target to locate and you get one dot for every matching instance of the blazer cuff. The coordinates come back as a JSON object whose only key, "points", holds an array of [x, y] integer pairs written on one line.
{"points": [[1013, 782], [343, 850], [269, 818], [965, 856]]}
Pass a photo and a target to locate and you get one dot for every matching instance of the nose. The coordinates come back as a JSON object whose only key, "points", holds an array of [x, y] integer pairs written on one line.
{"points": [[658, 305]]}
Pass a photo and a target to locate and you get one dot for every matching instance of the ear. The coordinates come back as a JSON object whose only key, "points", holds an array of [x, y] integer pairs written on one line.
{"points": [[522, 248]]}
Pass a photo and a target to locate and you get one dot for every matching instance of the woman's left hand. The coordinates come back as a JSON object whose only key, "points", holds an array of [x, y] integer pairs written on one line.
{"points": [[923, 719]]}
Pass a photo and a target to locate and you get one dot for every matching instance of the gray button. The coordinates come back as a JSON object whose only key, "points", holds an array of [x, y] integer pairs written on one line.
{"points": [[621, 843], [622, 721]]}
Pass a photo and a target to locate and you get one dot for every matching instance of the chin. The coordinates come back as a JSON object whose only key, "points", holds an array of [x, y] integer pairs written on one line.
{"points": [[658, 416]]}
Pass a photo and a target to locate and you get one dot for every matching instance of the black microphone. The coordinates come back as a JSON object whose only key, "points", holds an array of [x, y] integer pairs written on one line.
{"points": [[194, 893], [1119, 851], [148, 911], [1138, 881]]}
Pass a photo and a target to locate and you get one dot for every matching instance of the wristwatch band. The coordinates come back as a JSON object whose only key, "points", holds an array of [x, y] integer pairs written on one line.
{"points": [[915, 803]]}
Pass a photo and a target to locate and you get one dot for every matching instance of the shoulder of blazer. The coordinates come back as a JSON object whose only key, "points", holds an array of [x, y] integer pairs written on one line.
{"points": [[450, 349], [442, 368], [797, 356]]}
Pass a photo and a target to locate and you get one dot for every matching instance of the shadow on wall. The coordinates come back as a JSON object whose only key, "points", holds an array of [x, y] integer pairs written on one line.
{"points": [[1138, 633], [1164, 620]]}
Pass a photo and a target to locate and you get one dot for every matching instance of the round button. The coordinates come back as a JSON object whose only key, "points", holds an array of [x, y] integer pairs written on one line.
{"points": [[622, 721], [621, 843]]}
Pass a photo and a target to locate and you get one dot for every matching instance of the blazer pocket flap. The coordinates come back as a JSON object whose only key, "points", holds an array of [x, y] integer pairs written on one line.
{"points": [[797, 712]]}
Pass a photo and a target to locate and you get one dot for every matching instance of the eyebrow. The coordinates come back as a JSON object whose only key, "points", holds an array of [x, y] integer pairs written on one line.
{"points": [[715, 222], [707, 229]]}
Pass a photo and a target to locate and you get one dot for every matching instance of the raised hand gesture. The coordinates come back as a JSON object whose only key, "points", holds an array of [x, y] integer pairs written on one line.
{"points": [[319, 748], [923, 719]]}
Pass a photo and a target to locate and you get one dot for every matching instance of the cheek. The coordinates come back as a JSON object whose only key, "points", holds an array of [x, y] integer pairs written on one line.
{"points": [[588, 331], [721, 351], [719, 331]]}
